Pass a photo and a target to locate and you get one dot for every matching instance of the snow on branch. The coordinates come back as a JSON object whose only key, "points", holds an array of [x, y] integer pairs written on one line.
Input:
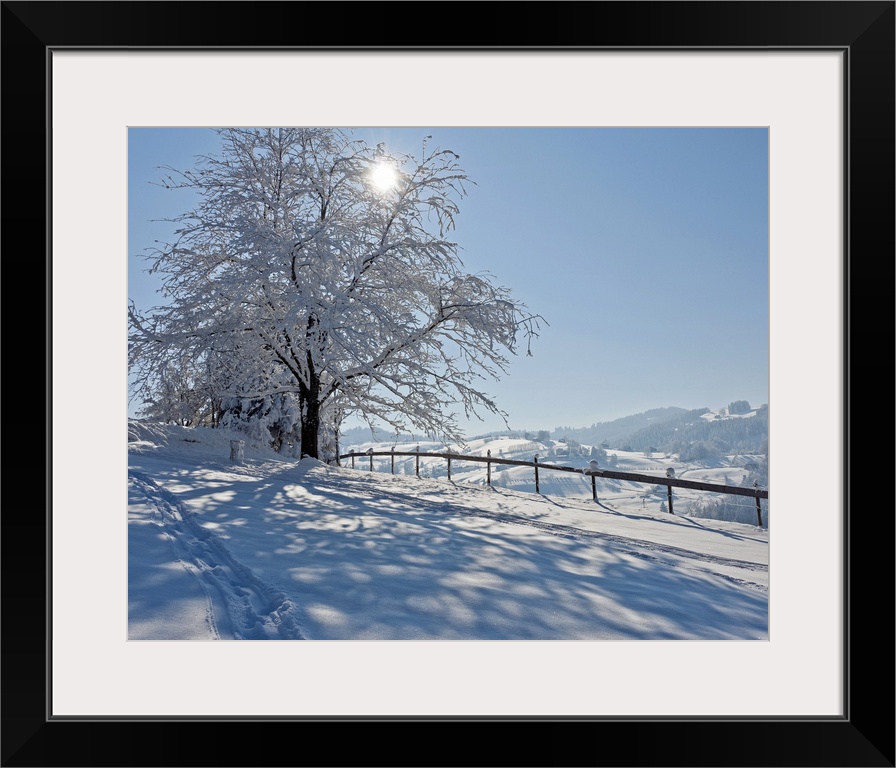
{"points": [[297, 276]]}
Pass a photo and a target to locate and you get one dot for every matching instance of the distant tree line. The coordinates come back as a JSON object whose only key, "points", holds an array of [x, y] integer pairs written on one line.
{"points": [[617, 430], [694, 438], [665, 431]]}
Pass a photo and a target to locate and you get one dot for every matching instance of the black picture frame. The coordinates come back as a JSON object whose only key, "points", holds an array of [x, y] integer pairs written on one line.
{"points": [[864, 736]]}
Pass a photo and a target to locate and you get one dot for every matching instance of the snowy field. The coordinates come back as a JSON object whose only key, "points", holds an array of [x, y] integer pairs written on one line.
{"points": [[276, 548], [612, 493]]}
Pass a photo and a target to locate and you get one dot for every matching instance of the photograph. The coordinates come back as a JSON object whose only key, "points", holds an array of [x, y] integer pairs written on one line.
{"points": [[455, 362], [484, 384]]}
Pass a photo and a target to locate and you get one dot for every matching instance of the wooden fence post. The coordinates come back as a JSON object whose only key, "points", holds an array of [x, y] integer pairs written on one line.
{"points": [[537, 489], [758, 493]]}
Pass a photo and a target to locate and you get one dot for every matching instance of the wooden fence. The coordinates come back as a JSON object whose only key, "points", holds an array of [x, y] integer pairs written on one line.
{"points": [[610, 474]]}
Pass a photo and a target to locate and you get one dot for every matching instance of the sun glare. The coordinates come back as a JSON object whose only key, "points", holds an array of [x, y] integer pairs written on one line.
{"points": [[384, 177]]}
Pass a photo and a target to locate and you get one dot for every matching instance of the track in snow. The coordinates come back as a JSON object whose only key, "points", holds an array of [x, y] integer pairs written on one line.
{"points": [[241, 606]]}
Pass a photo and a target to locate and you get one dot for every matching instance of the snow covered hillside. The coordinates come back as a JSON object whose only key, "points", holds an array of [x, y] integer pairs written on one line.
{"points": [[734, 470], [276, 548]]}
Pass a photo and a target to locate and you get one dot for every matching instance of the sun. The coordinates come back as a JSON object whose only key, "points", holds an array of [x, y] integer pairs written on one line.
{"points": [[384, 176]]}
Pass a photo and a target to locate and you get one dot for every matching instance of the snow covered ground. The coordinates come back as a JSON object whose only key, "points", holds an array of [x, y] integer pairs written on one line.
{"points": [[730, 471], [276, 548]]}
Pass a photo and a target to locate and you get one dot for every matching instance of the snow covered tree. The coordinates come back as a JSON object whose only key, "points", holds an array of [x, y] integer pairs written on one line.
{"points": [[319, 268], [180, 394]]}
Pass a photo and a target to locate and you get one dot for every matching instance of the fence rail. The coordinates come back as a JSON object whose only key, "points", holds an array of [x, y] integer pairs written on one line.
{"points": [[610, 474]]}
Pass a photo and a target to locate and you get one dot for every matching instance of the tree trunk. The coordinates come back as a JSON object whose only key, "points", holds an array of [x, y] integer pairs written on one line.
{"points": [[311, 429], [310, 396], [311, 419]]}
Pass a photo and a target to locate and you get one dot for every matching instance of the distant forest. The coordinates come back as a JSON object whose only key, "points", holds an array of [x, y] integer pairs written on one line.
{"points": [[661, 430], [676, 430]]}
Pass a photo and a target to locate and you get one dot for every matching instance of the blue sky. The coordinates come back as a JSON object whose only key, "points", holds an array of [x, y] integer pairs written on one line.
{"points": [[645, 250]]}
